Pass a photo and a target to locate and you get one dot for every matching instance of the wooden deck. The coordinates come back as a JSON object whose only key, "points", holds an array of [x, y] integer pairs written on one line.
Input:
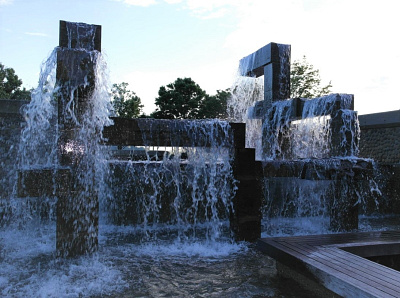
{"points": [[337, 261]]}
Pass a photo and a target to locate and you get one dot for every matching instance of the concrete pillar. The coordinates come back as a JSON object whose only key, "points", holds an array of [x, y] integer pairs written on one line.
{"points": [[77, 205], [245, 220]]}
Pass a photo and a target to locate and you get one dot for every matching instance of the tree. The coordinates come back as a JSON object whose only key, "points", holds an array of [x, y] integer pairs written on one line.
{"points": [[184, 99], [215, 106], [126, 103], [179, 100], [10, 85], [305, 81]]}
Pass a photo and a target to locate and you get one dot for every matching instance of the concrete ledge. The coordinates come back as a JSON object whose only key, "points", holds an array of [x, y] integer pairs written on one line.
{"points": [[11, 106], [253, 64], [380, 120]]}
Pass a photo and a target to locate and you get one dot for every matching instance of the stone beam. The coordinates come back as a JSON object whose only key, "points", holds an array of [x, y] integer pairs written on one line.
{"points": [[253, 64], [77, 36], [340, 102], [163, 132], [273, 62]]}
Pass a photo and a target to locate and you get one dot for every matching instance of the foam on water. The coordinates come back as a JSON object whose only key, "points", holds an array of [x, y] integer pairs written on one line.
{"points": [[120, 266], [124, 266]]}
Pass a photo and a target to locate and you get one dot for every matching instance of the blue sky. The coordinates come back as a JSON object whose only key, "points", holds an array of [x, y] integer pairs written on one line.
{"points": [[150, 43]]}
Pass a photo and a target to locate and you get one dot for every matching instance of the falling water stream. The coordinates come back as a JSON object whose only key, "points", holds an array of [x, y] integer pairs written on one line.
{"points": [[164, 227]]}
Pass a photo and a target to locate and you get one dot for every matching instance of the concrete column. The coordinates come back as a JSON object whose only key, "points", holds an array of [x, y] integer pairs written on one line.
{"points": [[245, 220], [77, 205]]}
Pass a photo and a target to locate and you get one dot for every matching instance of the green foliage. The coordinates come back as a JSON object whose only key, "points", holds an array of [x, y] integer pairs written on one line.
{"points": [[10, 85], [215, 106], [179, 100], [126, 103], [305, 81], [184, 99]]}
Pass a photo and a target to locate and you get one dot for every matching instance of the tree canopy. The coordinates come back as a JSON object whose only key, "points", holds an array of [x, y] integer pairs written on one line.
{"points": [[179, 100], [10, 85], [305, 80], [126, 103], [214, 106], [184, 99]]}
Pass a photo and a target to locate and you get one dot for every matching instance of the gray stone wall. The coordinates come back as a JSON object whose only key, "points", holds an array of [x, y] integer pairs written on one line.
{"points": [[380, 140], [380, 137]]}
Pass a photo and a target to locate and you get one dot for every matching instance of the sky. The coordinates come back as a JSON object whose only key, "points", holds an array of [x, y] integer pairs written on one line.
{"points": [[355, 44]]}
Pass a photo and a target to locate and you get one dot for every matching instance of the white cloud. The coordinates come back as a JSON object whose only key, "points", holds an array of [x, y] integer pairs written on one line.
{"points": [[352, 43], [210, 8], [36, 34], [173, 1], [6, 2], [143, 3]]}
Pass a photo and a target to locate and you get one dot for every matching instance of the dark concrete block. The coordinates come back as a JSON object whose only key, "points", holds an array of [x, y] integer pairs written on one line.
{"points": [[252, 65], [11, 106], [245, 220], [80, 36]]}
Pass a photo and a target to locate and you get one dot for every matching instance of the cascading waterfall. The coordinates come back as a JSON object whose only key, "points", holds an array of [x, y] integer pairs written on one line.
{"points": [[288, 138], [186, 187], [37, 147], [246, 91], [39, 144], [321, 141], [164, 210], [183, 194]]}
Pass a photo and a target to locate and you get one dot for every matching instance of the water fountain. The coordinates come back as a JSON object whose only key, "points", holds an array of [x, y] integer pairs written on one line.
{"points": [[71, 175], [306, 140], [198, 189], [172, 212]]}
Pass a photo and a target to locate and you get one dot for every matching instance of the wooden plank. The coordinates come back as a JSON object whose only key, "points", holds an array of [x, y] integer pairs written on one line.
{"points": [[321, 257], [338, 238], [351, 273], [381, 272], [356, 287], [334, 280], [374, 249], [354, 260], [355, 269], [343, 265]]}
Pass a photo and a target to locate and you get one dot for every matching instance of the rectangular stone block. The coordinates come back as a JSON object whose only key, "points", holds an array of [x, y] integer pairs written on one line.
{"points": [[80, 36], [253, 64]]}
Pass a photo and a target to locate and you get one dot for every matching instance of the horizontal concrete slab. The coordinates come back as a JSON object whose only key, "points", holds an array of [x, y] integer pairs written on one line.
{"points": [[253, 64], [384, 119]]}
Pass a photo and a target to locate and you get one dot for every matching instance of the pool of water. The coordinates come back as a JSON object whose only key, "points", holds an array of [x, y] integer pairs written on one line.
{"points": [[128, 266]]}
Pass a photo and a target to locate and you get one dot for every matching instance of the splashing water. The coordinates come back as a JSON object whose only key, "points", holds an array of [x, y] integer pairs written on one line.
{"points": [[164, 215], [185, 186], [37, 147], [290, 138], [246, 92]]}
